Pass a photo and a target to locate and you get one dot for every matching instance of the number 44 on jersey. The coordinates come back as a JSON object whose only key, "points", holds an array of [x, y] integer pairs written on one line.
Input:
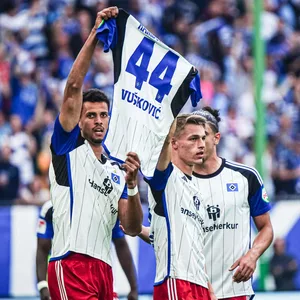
{"points": [[168, 64]]}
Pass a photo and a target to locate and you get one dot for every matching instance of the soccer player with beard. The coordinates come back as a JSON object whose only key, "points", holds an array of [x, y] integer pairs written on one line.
{"points": [[44, 241], [88, 192]]}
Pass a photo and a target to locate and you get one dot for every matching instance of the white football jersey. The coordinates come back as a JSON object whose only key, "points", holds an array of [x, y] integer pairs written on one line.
{"points": [[176, 231], [152, 84], [85, 194], [232, 195]]}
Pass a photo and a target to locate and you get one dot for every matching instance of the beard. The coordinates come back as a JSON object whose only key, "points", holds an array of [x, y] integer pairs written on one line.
{"points": [[91, 139], [96, 141]]}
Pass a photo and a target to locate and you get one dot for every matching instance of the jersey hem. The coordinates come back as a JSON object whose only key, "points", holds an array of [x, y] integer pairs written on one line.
{"points": [[92, 255], [60, 257]]}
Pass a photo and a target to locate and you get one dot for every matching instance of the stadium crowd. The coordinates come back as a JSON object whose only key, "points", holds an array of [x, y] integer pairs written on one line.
{"points": [[39, 40]]}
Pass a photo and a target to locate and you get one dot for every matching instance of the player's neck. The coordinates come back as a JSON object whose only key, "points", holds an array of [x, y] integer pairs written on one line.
{"points": [[98, 150], [183, 166], [209, 166]]}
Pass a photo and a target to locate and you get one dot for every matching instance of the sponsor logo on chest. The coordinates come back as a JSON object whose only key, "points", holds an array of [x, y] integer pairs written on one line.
{"points": [[214, 213], [106, 187]]}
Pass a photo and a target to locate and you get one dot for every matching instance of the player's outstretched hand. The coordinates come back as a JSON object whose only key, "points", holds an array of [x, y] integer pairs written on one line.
{"points": [[131, 165], [105, 14], [245, 268]]}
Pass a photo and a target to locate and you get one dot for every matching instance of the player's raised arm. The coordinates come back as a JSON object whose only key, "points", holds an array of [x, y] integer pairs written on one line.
{"points": [[165, 154], [130, 211], [72, 102]]}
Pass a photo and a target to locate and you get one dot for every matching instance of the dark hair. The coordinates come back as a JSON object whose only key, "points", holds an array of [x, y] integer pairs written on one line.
{"points": [[212, 117], [185, 119], [95, 95]]}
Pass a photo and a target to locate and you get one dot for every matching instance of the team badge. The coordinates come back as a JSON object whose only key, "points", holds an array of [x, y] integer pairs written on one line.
{"points": [[232, 187], [115, 178]]}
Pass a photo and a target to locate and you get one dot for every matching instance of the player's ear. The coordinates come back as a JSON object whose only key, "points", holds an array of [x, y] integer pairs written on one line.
{"points": [[174, 143], [217, 138]]}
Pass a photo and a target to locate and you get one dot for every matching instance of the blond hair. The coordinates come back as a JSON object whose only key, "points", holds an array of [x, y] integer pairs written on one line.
{"points": [[186, 119]]}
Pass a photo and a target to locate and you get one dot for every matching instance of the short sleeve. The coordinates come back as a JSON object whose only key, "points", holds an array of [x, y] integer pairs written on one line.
{"points": [[160, 178], [62, 141], [117, 231], [259, 202], [45, 226], [107, 34]]}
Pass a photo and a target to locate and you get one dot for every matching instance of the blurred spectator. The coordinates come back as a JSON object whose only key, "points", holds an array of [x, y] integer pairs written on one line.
{"points": [[5, 129], [9, 178], [23, 148], [25, 93], [78, 38], [4, 78], [33, 34], [34, 194], [40, 40], [287, 174], [283, 267]]}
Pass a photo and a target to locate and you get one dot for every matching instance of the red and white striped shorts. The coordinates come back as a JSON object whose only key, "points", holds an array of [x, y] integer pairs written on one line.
{"points": [[177, 289], [80, 277]]}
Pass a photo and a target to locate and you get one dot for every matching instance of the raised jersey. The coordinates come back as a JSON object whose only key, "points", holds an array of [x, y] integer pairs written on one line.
{"points": [[176, 230], [151, 84], [85, 194], [231, 195]]}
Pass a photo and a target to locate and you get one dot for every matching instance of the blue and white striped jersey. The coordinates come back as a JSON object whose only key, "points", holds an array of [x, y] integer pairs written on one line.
{"points": [[45, 224], [231, 195], [85, 194], [176, 230]]}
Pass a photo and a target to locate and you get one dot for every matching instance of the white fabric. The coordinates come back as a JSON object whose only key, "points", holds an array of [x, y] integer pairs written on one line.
{"points": [[227, 229], [179, 247], [142, 129], [96, 189]]}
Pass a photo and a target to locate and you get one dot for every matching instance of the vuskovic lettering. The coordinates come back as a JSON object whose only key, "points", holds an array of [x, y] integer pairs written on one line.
{"points": [[141, 103]]}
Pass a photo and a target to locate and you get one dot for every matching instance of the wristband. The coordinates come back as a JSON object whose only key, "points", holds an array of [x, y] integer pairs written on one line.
{"points": [[132, 192], [42, 284]]}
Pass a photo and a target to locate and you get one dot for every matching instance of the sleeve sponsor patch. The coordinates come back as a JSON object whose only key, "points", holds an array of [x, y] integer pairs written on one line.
{"points": [[265, 195], [41, 228]]}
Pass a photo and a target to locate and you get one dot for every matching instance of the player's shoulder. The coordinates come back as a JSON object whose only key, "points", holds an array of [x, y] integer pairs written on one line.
{"points": [[249, 172], [46, 209]]}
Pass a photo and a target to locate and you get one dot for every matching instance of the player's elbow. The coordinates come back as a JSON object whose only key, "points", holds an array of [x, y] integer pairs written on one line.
{"points": [[74, 82], [134, 229]]}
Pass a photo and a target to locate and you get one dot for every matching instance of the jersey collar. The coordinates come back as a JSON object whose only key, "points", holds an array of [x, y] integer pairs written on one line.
{"points": [[213, 174]]}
